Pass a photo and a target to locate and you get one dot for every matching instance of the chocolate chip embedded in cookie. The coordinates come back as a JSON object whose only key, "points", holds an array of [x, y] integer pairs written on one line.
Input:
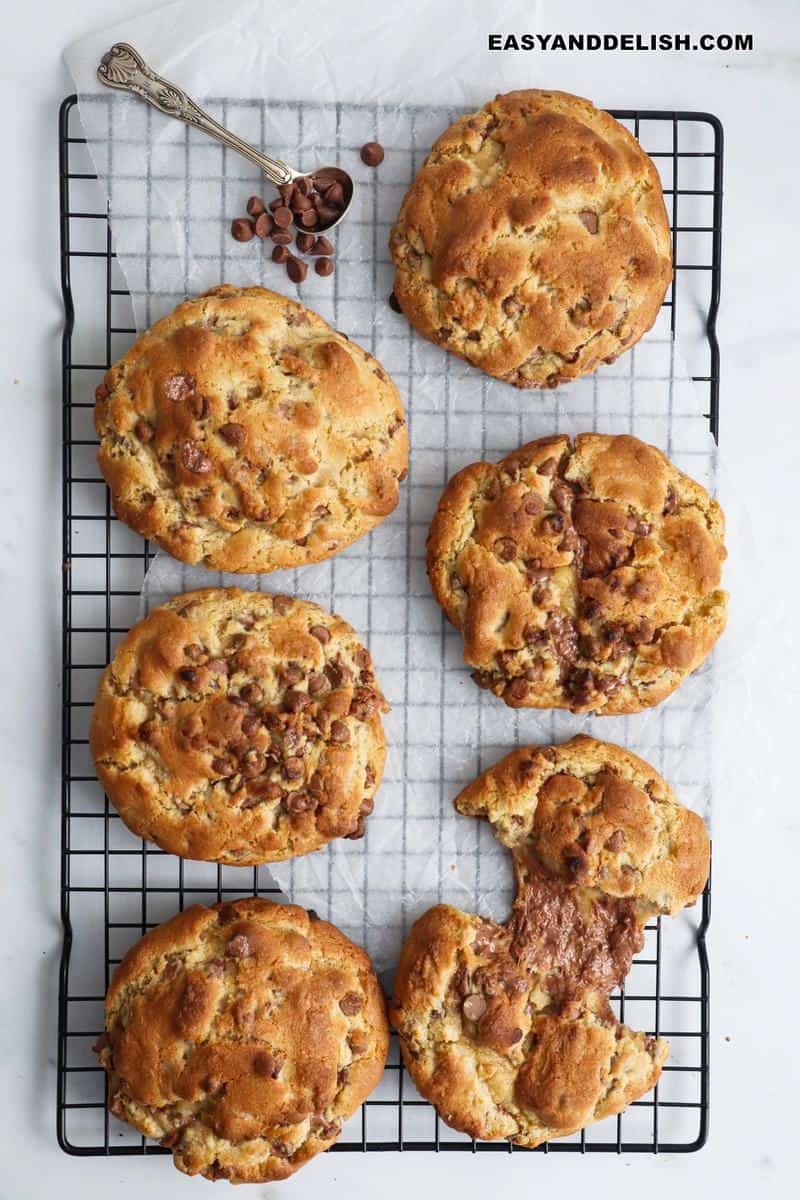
{"points": [[242, 1037], [534, 241], [508, 1029], [240, 727], [245, 434], [582, 575]]}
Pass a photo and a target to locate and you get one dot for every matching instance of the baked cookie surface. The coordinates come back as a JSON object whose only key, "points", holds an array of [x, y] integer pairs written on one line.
{"points": [[242, 1037], [534, 241], [243, 433], [582, 575], [240, 727], [508, 1029]]}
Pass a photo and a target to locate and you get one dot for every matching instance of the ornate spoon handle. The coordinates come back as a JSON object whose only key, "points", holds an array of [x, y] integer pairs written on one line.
{"points": [[122, 67]]}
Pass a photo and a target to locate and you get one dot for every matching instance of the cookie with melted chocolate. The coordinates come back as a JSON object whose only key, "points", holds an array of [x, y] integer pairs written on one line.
{"points": [[582, 575], [508, 1028]]}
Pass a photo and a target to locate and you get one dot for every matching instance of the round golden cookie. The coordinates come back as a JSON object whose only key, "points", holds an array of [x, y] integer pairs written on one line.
{"points": [[240, 727], [534, 241], [508, 1029], [582, 575], [243, 433], [242, 1037]]}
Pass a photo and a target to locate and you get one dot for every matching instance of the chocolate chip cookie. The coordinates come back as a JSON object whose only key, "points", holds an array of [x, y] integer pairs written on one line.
{"points": [[534, 241], [244, 434], [583, 575], [508, 1029], [240, 727], [242, 1037]]}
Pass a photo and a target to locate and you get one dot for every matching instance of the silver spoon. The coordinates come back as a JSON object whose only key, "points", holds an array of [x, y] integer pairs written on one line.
{"points": [[124, 68]]}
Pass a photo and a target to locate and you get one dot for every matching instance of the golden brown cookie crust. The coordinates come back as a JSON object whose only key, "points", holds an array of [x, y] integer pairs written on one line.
{"points": [[243, 433], [534, 241], [507, 1029], [582, 575], [240, 727], [242, 1037]]}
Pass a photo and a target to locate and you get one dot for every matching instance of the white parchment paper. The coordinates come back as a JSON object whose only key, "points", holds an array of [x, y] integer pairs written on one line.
{"points": [[309, 96]]}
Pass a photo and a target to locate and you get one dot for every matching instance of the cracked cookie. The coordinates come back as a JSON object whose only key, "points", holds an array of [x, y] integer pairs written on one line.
{"points": [[242, 1037], [240, 727], [508, 1028], [582, 575], [534, 241], [244, 434]]}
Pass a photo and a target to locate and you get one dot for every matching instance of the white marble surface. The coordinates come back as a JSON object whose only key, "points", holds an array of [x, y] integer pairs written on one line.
{"points": [[753, 1142]]}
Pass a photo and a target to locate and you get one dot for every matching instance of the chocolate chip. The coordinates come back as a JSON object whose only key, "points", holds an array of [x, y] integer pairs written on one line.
{"points": [[615, 842], [372, 154], [670, 502], [232, 433], [305, 242], [295, 701], [293, 768], [251, 724], [223, 766], [322, 246], [589, 220], [474, 1007], [178, 387], [394, 303], [255, 206], [280, 254], [339, 732], [299, 802], [324, 266], [188, 675], [548, 467], [282, 216], [517, 689], [506, 549], [334, 195], [309, 218], [264, 225], [562, 495], [553, 523], [252, 693], [239, 947], [296, 269], [351, 1003], [321, 633], [194, 459], [242, 230], [327, 213], [217, 666], [281, 238], [144, 430], [268, 1065]]}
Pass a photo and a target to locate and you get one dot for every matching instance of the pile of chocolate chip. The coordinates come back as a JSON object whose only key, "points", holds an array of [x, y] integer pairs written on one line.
{"points": [[306, 202]]}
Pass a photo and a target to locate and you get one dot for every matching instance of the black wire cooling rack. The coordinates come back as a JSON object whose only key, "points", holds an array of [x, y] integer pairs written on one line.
{"points": [[103, 881]]}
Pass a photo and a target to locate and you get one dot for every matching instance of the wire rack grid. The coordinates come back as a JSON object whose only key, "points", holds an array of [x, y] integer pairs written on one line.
{"points": [[114, 889]]}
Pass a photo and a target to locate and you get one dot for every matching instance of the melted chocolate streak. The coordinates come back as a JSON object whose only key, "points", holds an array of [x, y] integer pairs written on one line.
{"points": [[579, 947]]}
